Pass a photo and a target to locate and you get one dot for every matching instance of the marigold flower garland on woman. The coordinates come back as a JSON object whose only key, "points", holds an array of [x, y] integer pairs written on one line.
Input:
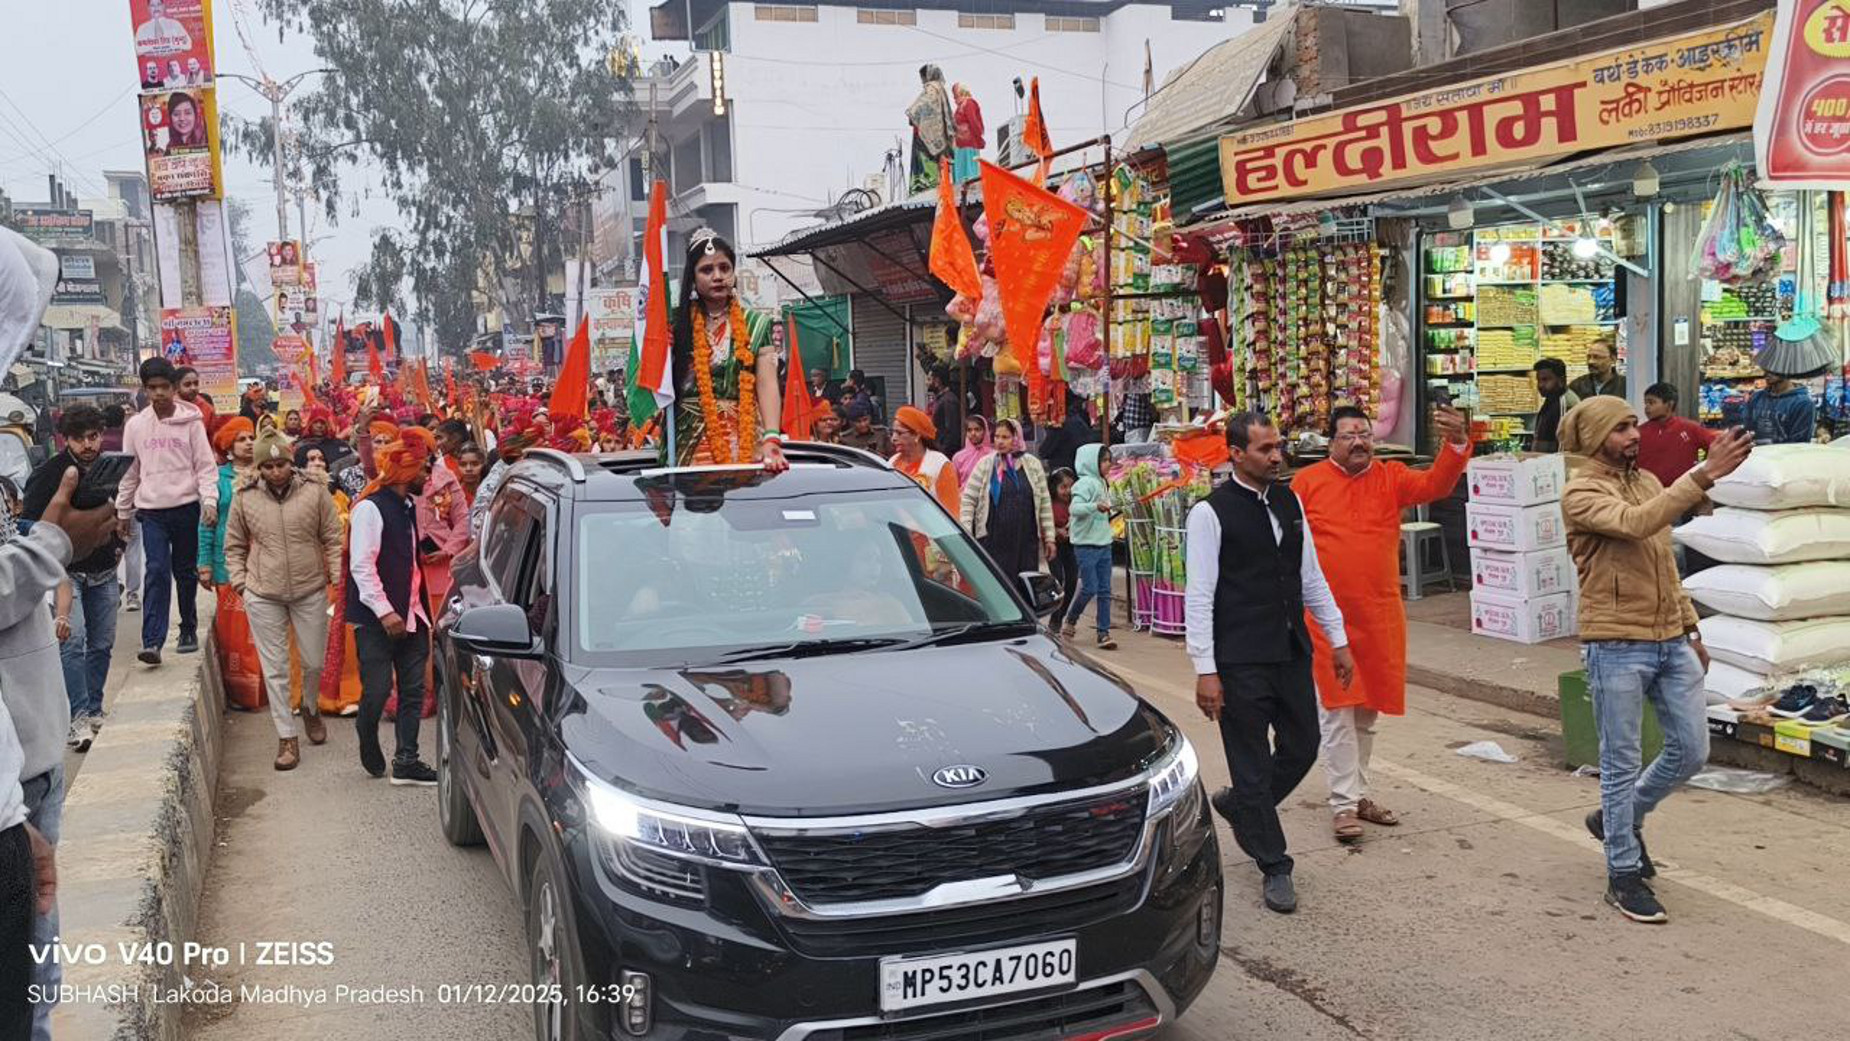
{"points": [[719, 416]]}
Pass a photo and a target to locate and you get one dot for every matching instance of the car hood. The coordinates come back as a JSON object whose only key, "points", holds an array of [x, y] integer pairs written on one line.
{"points": [[863, 732]]}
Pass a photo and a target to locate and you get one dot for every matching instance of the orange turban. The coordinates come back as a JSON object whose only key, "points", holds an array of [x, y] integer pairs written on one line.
{"points": [[917, 421], [228, 432], [403, 460], [382, 428], [821, 410]]}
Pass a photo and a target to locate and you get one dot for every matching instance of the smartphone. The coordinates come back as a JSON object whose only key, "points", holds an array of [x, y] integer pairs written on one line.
{"points": [[1442, 397], [427, 545], [99, 483]]}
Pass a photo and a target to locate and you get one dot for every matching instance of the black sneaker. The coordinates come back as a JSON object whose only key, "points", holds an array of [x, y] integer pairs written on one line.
{"points": [[414, 772], [189, 643], [1634, 899], [1596, 823], [1280, 894], [1222, 801], [1796, 701], [149, 656], [1106, 643], [1824, 710], [371, 759]]}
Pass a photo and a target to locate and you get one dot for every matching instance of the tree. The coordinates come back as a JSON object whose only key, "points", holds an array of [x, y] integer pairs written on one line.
{"points": [[487, 118], [255, 327]]}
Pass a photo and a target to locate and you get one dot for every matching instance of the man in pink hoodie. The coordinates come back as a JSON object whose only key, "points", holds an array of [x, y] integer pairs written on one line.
{"points": [[172, 488]]}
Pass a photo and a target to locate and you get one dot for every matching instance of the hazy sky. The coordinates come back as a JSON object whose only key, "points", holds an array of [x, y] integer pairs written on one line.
{"points": [[67, 103]]}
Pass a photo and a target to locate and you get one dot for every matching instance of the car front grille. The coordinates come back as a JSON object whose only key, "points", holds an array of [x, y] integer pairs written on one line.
{"points": [[1044, 842], [1022, 920], [1075, 1013]]}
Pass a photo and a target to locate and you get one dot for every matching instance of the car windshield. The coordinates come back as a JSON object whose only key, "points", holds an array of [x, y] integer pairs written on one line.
{"points": [[702, 578]]}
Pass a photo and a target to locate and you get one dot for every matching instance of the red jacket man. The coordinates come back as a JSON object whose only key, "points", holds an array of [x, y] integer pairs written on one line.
{"points": [[1668, 443]]}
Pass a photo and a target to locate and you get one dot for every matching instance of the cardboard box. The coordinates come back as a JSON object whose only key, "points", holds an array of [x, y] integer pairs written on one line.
{"points": [[1520, 479], [1523, 575], [1537, 620], [1514, 529]]}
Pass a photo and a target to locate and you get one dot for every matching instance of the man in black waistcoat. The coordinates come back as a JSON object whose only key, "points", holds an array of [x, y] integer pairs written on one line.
{"points": [[1252, 573], [385, 605]]}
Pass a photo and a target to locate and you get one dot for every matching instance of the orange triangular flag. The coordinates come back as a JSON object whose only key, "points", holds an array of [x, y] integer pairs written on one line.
{"points": [[799, 409], [337, 358], [952, 260], [1031, 233], [1034, 132], [571, 396]]}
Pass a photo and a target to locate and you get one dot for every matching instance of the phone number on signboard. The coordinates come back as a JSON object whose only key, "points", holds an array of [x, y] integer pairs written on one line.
{"points": [[1674, 126]]}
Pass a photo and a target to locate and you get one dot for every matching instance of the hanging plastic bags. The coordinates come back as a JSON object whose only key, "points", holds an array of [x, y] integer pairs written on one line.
{"points": [[1738, 243]]}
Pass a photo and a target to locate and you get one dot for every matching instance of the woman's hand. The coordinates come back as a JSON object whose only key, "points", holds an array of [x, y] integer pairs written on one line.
{"points": [[774, 460], [205, 577]]}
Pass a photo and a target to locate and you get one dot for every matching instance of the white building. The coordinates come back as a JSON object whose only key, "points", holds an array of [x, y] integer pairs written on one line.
{"points": [[813, 99]]}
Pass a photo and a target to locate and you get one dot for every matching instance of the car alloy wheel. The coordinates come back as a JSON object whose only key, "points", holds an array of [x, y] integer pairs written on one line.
{"points": [[455, 814], [555, 960]]}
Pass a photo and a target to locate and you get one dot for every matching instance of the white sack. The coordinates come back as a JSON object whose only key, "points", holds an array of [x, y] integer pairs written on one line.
{"points": [[1785, 477], [1774, 594], [1737, 536], [1772, 647]]}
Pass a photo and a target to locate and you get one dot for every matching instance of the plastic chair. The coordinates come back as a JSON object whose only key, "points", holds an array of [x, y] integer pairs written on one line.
{"points": [[1415, 536]]}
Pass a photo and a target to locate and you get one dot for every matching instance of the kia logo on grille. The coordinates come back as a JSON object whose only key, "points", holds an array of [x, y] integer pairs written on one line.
{"points": [[960, 776]]}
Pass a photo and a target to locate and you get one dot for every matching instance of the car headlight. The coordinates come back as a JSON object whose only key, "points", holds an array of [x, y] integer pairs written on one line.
{"points": [[1175, 778], [709, 838]]}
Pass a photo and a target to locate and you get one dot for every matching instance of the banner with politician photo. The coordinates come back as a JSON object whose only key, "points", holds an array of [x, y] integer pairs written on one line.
{"points": [[285, 263], [180, 136], [207, 339], [173, 43]]}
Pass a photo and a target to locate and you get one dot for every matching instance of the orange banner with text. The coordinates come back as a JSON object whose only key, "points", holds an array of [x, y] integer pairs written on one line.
{"points": [[1699, 83]]}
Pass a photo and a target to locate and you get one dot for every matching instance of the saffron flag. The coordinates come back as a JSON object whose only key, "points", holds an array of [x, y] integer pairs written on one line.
{"points": [[337, 358], [1031, 233], [420, 385], [571, 396], [1034, 131], [952, 259], [799, 410], [651, 374], [483, 361], [449, 384]]}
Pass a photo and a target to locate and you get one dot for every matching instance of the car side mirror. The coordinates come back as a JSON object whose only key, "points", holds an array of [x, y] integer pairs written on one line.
{"points": [[496, 630], [1042, 591]]}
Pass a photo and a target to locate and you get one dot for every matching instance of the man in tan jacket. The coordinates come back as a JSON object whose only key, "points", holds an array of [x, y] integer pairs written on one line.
{"points": [[282, 550], [1637, 628]]}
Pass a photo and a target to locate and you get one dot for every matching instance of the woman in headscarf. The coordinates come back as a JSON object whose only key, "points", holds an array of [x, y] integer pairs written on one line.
{"points": [[969, 137], [931, 119], [1006, 505], [912, 433], [976, 448], [233, 439], [726, 407]]}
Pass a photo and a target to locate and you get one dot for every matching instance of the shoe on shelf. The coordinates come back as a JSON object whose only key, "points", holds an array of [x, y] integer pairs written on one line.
{"points": [[288, 753], [1596, 823], [1796, 701], [149, 656], [188, 644], [414, 772], [315, 729], [131, 601], [1106, 643], [1634, 899], [81, 734], [1280, 895], [1825, 710]]}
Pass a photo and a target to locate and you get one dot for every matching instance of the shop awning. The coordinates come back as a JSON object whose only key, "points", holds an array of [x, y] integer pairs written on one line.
{"points": [[79, 316], [1694, 159], [856, 227], [1214, 88]]}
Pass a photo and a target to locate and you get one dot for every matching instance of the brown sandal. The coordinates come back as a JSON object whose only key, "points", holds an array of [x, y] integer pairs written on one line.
{"points": [[1346, 827], [1369, 811]]}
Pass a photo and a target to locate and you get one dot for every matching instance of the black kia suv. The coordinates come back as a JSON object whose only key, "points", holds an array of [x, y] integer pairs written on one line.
{"points": [[787, 758]]}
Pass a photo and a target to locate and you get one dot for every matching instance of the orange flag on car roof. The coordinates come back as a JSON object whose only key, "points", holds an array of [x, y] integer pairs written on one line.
{"points": [[1031, 233], [952, 259]]}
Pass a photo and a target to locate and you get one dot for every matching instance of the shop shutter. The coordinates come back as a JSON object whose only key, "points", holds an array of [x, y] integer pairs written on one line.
{"points": [[881, 350]]}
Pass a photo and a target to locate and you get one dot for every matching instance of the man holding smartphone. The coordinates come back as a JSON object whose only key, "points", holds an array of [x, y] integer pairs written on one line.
{"points": [[87, 634], [1637, 629]]}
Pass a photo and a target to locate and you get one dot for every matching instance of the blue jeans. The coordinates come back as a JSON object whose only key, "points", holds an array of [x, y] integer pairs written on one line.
{"points": [[1623, 674], [1094, 582], [170, 540], [93, 637], [45, 811]]}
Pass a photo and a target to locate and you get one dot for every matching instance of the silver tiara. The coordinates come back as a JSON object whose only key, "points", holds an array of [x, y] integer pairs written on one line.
{"points": [[706, 238]]}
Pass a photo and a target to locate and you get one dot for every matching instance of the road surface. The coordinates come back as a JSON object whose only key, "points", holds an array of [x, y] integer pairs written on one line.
{"points": [[1479, 917]]}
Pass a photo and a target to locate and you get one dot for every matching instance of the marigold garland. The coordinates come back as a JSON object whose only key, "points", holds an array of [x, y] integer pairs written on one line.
{"points": [[717, 443]]}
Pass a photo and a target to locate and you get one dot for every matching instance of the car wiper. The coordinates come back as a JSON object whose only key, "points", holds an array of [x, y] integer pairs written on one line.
{"points": [[953, 632], [810, 648]]}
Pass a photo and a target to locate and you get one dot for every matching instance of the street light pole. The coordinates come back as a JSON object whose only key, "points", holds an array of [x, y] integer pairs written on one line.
{"points": [[276, 93]]}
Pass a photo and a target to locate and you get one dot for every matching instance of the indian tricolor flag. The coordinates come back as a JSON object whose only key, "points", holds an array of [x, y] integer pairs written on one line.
{"points": [[651, 374]]}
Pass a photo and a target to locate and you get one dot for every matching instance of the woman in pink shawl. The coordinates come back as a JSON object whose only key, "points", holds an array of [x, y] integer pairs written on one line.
{"points": [[976, 447]]}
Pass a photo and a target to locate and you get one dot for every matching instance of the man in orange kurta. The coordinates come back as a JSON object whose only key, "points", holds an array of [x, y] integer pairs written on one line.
{"points": [[1353, 503]]}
